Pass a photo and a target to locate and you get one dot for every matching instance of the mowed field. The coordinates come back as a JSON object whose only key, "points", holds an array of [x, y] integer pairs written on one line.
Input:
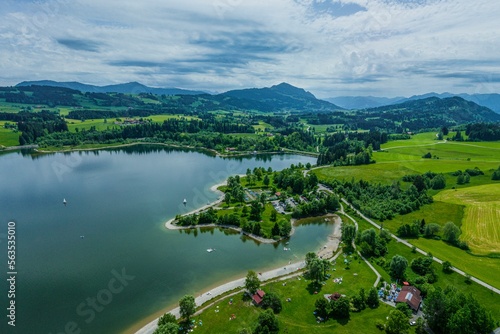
{"points": [[402, 157], [7, 136], [474, 207], [100, 124], [481, 222]]}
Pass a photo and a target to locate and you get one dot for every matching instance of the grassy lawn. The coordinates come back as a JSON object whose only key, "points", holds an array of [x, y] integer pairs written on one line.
{"points": [[484, 268], [297, 315], [389, 171], [437, 212], [384, 173], [7, 136], [489, 299], [99, 124], [263, 126], [162, 118], [265, 222], [482, 213]]}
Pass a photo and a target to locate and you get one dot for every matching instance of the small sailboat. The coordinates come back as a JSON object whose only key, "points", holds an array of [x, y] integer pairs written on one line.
{"points": [[185, 201], [64, 201]]}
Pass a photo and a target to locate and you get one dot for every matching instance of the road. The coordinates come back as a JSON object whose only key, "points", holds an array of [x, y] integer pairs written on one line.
{"points": [[406, 243], [354, 245]]}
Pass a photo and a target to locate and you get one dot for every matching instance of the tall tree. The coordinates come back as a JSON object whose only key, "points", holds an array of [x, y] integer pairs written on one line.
{"points": [[272, 300], [187, 306], [252, 282], [323, 307], [451, 232], [167, 318], [168, 328], [267, 323], [341, 308], [397, 323], [266, 180], [398, 266], [438, 182], [372, 299], [348, 233], [275, 230]]}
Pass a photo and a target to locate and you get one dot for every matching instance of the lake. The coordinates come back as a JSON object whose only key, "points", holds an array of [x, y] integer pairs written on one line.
{"points": [[104, 262]]}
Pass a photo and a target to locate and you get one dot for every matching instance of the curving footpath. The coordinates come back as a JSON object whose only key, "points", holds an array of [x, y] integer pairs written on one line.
{"points": [[358, 252], [406, 243], [290, 269]]}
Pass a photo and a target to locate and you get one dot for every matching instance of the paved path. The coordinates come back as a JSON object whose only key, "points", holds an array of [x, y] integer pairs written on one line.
{"points": [[354, 245], [289, 269], [406, 243]]}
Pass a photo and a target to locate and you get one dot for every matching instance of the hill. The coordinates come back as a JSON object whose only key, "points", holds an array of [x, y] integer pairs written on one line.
{"points": [[432, 112], [491, 101], [278, 98], [414, 115], [362, 102], [283, 97], [125, 88]]}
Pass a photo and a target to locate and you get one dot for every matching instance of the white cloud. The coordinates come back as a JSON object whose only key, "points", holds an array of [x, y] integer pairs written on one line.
{"points": [[328, 47]]}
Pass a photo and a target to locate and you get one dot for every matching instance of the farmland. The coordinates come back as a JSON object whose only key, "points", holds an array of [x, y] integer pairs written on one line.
{"points": [[482, 213], [8, 137], [473, 206]]}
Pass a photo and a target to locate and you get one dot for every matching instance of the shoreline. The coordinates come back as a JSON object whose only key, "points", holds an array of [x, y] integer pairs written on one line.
{"points": [[170, 224], [213, 291], [215, 152]]}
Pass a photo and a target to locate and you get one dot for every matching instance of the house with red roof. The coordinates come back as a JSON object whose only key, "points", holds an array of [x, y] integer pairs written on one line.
{"points": [[258, 296], [411, 296]]}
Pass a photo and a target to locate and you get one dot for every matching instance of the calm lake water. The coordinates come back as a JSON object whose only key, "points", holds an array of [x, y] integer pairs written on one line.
{"points": [[104, 262]]}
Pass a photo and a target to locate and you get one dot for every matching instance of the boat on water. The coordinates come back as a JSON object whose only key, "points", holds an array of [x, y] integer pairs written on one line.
{"points": [[64, 201], [184, 201], [210, 250]]}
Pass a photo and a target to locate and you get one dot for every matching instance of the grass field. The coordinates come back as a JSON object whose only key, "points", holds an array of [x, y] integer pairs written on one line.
{"points": [[99, 124], [480, 225], [438, 212], [297, 315], [263, 126], [161, 118], [402, 157], [484, 268], [7, 136]]}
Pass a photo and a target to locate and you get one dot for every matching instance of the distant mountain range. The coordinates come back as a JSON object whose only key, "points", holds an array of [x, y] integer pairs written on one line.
{"points": [[125, 88], [283, 97], [431, 111], [491, 101]]}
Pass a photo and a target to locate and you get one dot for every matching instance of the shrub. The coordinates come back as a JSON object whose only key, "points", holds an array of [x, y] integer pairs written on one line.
{"points": [[380, 324]]}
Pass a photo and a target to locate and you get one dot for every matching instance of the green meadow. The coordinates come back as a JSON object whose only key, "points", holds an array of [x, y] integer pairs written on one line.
{"points": [[474, 207], [484, 268], [262, 126], [297, 314], [480, 226], [7, 136]]}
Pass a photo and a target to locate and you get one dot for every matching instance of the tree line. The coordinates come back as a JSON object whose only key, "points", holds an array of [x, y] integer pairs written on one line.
{"points": [[380, 201]]}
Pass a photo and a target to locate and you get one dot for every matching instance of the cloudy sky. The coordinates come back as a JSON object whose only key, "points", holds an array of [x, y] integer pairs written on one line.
{"points": [[329, 47]]}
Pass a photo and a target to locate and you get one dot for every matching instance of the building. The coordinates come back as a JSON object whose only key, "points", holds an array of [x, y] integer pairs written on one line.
{"points": [[258, 296], [411, 296]]}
